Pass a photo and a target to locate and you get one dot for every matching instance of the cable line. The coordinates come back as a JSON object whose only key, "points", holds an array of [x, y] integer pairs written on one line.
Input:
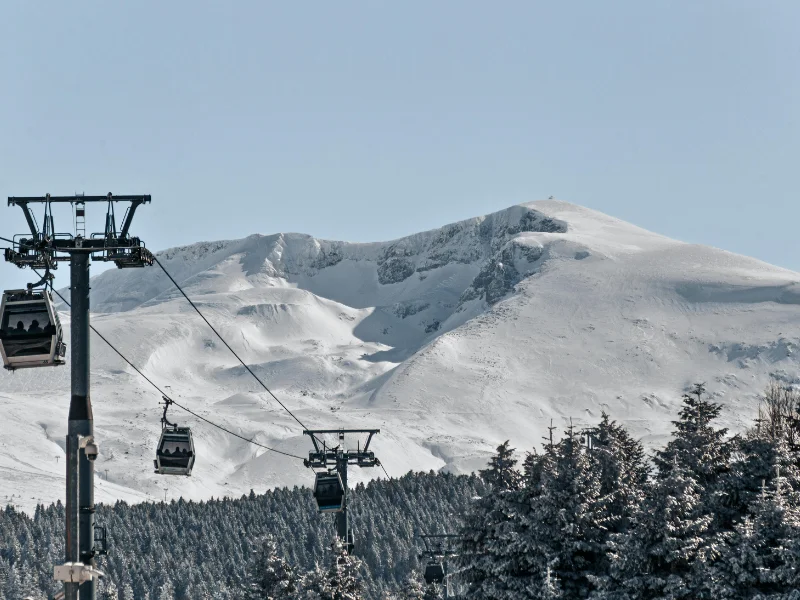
{"points": [[20, 244], [241, 437], [249, 370], [163, 393]]}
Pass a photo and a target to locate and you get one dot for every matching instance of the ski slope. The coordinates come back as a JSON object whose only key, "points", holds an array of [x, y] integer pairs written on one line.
{"points": [[450, 341]]}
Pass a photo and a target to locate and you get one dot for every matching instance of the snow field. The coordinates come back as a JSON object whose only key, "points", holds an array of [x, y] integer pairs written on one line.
{"points": [[450, 341]]}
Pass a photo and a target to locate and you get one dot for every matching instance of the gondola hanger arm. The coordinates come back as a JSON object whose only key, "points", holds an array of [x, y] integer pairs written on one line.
{"points": [[164, 421]]}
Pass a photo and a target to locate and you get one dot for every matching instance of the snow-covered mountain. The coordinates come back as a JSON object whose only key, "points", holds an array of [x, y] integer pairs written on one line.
{"points": [[450, 341]]}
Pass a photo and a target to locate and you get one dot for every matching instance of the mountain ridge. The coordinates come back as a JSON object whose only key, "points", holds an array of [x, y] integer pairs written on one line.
{"points": [[451, 340]]}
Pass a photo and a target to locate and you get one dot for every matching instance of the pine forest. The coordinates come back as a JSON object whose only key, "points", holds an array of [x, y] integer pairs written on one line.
{"points": [[587, 514]]}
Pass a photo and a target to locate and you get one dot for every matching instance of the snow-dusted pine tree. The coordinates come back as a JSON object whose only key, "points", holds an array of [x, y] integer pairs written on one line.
{"points": [[14, 586], [623, 472], [561, 542], [109, 591], [166, 592], [484, 548], [660, 555], [761, 556], [433, 591], [340, 581], [501, 473], [416, 589], [127, 592], [758, 455], [270, 576], [313, 584], [696, 446]]}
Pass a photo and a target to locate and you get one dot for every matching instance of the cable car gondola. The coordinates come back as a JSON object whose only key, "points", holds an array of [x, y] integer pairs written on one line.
{"points": [[30, 331], [175, 451], [329, 492], [434, 572]]}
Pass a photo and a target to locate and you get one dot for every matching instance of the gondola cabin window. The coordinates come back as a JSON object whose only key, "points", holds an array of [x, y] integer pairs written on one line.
{"points": [[27, 330]]}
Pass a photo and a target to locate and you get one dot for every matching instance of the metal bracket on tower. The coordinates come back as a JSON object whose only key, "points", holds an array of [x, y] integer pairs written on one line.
{"points": [[100, 540], [324, 457], [75, 572]]}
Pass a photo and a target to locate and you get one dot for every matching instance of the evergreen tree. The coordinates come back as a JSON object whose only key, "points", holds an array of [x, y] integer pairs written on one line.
{"points": [[501, 473], [166, 591], [660, 555], [270, 576], [549, 587], [696, 446], [416, 589], [313, 584], [13, 588], [561, 542], [721, 520], [341, 581], [762, 553], [109, 591], [623, 471], [127, 592], [433, 591], [758, 455], [483, 537]]}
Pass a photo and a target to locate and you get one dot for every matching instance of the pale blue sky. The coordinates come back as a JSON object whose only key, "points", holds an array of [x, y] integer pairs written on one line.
{"points": [[370, 120]]}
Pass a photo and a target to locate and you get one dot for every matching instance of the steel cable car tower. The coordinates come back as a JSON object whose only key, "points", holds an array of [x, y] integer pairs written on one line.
{"points": [[330, 487], [44, 249]]}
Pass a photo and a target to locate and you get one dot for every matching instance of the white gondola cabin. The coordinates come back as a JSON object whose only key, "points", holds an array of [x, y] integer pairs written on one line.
{"points": [[329, 492], [30, 331], [175, 452]]}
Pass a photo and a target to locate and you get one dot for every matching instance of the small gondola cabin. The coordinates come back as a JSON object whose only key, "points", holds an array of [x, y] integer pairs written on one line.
{"points": [[329, 492], [434, 573], [30, 331], [175, 452]]}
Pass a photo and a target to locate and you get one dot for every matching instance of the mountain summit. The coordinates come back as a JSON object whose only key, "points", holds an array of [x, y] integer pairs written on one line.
{"points": [[450, 341]]}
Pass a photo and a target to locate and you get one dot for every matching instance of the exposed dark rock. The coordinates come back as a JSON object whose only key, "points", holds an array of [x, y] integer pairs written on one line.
{"points": [[434, 326], [409, 308], [500, 274], [394, 270], [329, 257]]}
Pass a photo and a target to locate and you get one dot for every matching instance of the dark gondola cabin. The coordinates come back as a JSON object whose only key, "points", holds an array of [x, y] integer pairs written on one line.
{"points": [[434, 573], [30, 331], [175, 452], [329, 492]]}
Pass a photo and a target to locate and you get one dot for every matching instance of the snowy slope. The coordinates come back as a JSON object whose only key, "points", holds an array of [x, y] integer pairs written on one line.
{"points": [[450, 341]]}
